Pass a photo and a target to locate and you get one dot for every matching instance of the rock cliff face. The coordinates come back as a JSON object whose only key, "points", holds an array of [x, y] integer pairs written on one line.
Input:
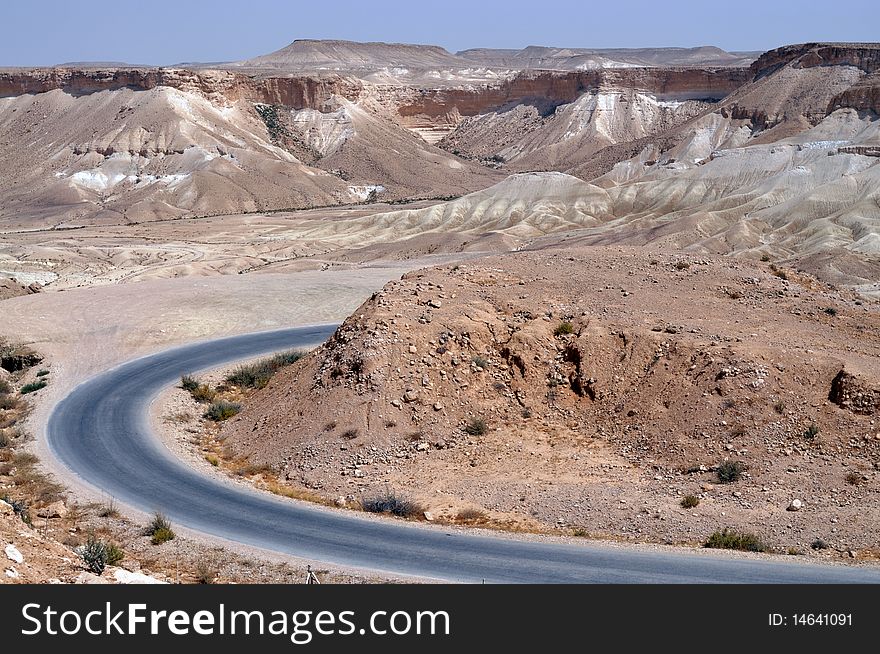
{"points": [[865, 56], [302, 92], [547, 90]]}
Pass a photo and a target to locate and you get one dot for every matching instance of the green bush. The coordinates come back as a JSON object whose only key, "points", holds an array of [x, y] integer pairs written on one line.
{"points": [[728, 539], [159, 530], [731, 471], [33, 387], [811, 432], [189, 383], [690, 501], [94, 553], [476, 427], [162, 536], [42, 373], [222, 410], [203, 394], [392, 504], [258, 374], [563, 328], [114, 554]]}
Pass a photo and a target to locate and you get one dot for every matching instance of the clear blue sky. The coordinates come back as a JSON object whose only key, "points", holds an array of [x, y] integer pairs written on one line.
{"points": [[171, 31]]}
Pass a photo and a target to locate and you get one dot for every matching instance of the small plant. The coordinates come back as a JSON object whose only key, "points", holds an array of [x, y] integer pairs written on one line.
{"points": [[258, 374], [94, 553], [563, 329], [731, 471], [819, 544], [212, 459], [853, 478], [203, 394], [831, 311], [222, 410], [114, 554], [728, 539], [765, 258], [393, 505], [42, 373], [159, 530], [471, 516], [794, 551], [205, 573], [476, 427], [350, 434], [778, 272], [480, 362], [682, 265], [690, 501], [330, 426], [33, 387], [580, 532], [779, 407], [109, 510], [811, 432], [8, 402], [5, 387], [189, 383]]}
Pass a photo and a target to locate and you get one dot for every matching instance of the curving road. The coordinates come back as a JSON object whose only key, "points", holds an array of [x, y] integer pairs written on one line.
{"points": [[101, 432]]}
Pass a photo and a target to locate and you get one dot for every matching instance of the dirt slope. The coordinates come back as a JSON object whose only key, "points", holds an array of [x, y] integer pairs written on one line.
{"points": [[671, 364]]}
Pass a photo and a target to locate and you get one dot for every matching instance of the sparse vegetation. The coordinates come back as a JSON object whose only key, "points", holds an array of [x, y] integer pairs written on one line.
{"points": [[94, 553], [5, 387], [682, 265], [159, 530], [20, 508], [42, 373], [476, 427], [203, 394], [811, 433], [330, 426], [392, 504], [727, 539], [831, 311], [690, 501], [765, 258], [212, 459], [350, 434], [205, 573], [563, 329], [480, 362], [853, 478], [108, 510], [819, 545], [222, 410], [189, 383], [730, 471], [471, 516], [778, 272], [779, 407], [33, 387], [258, 374]]}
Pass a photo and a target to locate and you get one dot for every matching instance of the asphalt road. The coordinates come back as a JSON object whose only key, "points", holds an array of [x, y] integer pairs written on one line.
{"points": [[101, 432]]}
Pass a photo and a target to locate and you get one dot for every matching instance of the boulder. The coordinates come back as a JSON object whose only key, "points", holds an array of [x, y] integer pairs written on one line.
{"points": [[13, 554], [123, 576], [54, 510], [795, 505]]}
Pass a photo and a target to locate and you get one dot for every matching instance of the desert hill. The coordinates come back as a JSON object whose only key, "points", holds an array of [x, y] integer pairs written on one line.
{"points": [[591, 389]]}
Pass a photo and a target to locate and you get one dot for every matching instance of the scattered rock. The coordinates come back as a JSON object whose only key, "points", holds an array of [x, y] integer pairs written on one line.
{"points": [[54, 510], [795, 505], [123, 576], [13, 554]]}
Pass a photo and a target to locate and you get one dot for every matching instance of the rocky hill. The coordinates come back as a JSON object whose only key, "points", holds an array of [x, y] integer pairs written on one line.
{"points": [[591, 390]]}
